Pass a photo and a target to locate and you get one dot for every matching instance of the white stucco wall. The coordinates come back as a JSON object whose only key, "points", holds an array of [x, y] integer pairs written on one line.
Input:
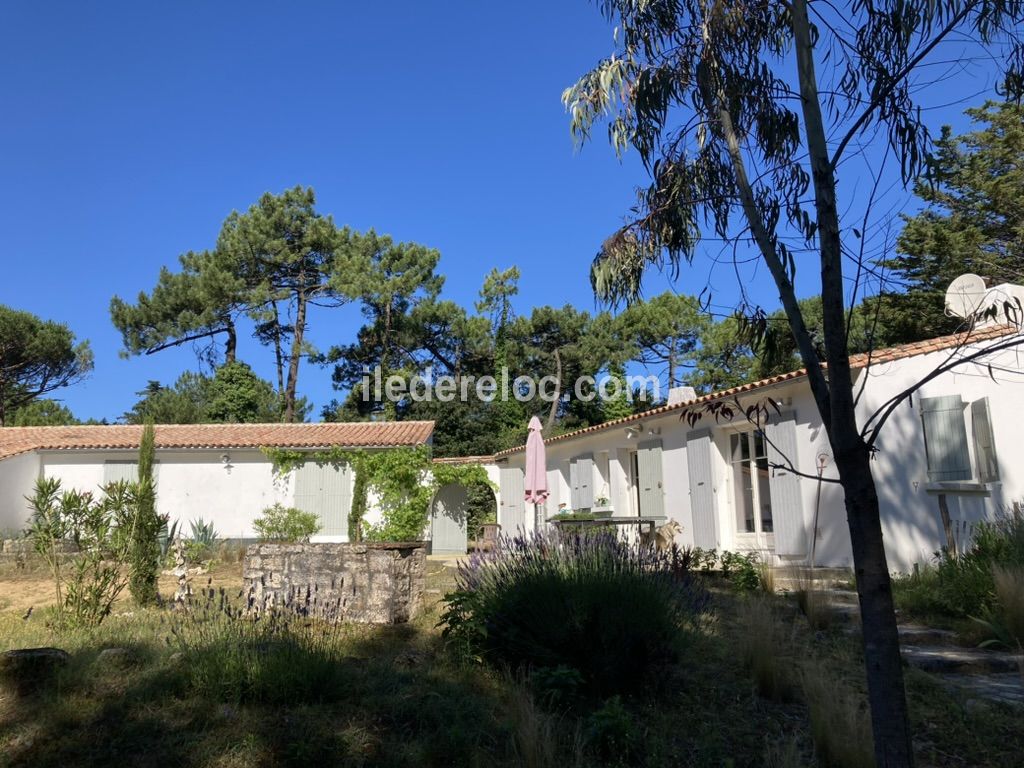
{"points": [[190, 484], [18, 475], [910, 516]]}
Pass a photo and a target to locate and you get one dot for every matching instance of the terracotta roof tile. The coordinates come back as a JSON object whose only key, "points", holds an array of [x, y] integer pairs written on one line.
{"points": [[15, 440], [877, 357]]}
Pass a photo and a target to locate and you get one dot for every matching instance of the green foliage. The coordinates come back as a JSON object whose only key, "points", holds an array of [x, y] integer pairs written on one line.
{"points": [[742, 570], [201, 545], [237, 395], [280, 659], [665, 332], [481, 506], [145, 527], [403, 480], [43, 413], [612, 733], [972, 222], [280, 523], [234, 394], [36, 357], [269, 263], [965, 585], [611, 611], [87, 584]]}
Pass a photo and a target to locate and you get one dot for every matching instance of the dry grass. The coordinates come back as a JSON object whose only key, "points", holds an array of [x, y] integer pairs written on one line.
{"points": [[814, 603], [766, 578], [1009, 584], [761, 649], [840, 723]]}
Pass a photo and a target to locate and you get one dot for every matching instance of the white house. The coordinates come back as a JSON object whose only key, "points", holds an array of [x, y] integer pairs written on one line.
{"points": [[727, 483], [214, 471]]}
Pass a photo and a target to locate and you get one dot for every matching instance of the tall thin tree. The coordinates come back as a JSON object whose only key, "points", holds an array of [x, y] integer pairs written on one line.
{"points": [[740, 130]]}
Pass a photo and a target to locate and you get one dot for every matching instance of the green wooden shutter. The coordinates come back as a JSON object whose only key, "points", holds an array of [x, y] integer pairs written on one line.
{"points": [[585, 475], [984, 442], [327, 492], [574, 485], [784, 486], [702, 498], [945, 438], [115, 471], [648, 461], [448, 521], [512, 514]]}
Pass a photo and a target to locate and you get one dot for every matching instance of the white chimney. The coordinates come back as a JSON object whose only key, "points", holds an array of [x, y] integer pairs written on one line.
{"points": [[678, 395]]}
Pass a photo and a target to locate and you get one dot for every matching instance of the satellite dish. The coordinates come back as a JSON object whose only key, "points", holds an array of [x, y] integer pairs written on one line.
{"points": [[965, 296]]}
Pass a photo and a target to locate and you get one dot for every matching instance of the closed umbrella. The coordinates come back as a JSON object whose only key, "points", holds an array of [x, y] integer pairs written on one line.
{"points": [[536, 466]]}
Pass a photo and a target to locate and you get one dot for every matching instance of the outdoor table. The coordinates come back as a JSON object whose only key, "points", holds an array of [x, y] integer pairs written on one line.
{"points": [[640, 522]]}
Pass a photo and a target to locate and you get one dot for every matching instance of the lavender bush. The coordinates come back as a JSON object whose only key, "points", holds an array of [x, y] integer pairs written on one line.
{"points": [[611, 610]]}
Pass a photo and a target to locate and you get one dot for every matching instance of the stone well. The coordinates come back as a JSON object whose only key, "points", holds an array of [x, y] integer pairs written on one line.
{"points": [[372, 583]]}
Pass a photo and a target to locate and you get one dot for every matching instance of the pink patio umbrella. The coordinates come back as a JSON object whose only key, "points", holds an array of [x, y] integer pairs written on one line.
{"points": [[536, 466]]}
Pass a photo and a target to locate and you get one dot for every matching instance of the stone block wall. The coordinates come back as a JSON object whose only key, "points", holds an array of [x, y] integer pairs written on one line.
{"points": [[373, 583]]}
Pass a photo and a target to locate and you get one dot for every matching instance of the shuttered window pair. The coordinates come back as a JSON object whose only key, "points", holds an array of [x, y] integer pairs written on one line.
{"points": [[946, 442], [769, 454]]}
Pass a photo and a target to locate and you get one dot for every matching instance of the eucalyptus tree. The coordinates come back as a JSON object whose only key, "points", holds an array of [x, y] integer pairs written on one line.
{"points": [[746, 134], [37, 357]]}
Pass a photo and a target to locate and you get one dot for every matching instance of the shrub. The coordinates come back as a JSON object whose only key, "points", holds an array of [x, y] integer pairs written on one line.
{"points": [[611, 610], [742, 570], [611, 732], [964, 585], [1006, 618], [87, 585], [280, 523], [201, 545]]}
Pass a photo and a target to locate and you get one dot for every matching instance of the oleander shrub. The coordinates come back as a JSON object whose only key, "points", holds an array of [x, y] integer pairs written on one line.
{"points": [[612, 611], [286, 524]]}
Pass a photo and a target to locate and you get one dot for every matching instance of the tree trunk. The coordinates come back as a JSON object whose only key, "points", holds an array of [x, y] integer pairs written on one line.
{"points": [[293, 362], [883, 665], [278, 356], [553, 411], [672, 366], [231, 344]]}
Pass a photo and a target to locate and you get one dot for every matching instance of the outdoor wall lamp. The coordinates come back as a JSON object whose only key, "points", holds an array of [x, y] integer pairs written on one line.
{"points": [[225, 459], [633, 432]]}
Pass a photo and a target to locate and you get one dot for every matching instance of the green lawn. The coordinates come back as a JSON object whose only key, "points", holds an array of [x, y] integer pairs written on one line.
{"points": [[391, 696]]}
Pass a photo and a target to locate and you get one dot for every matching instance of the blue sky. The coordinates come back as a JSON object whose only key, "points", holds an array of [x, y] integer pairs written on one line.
{"points": [[131, 130]]}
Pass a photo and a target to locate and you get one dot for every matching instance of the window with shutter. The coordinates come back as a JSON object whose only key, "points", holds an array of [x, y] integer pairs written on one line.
{"points": [[945, 438], [585, 473], [984, 443], [652, 496]]}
